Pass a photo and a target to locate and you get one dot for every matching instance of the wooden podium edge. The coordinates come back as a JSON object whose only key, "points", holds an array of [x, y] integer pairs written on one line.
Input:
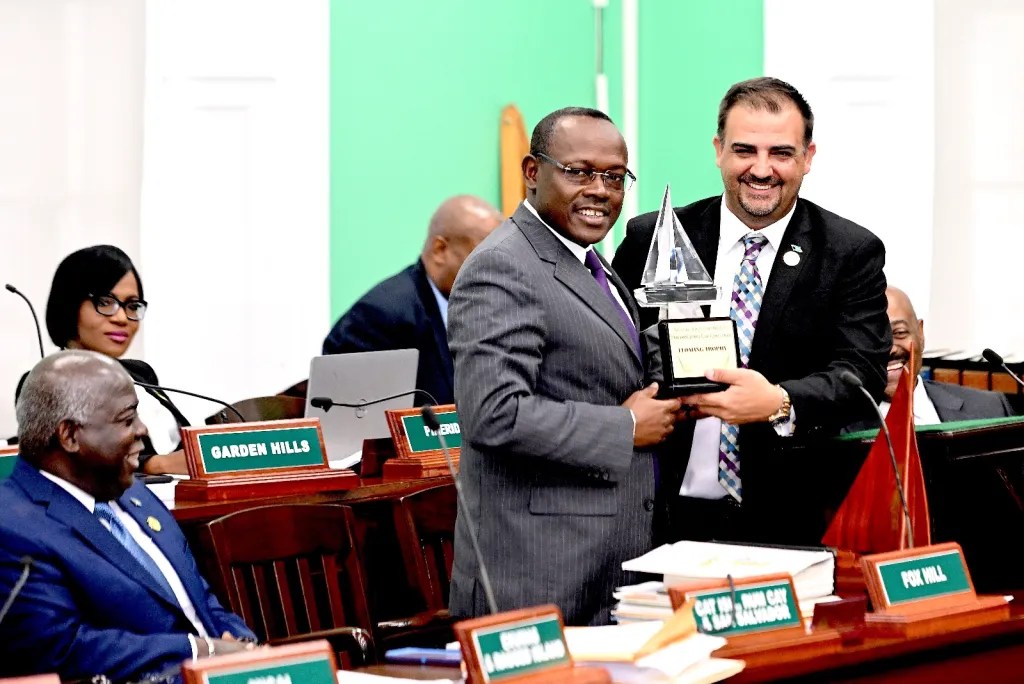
{"points": [[914, 624], [767, 647], [294, 483]]}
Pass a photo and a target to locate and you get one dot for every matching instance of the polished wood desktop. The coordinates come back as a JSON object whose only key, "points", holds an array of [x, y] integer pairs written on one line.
{"points": [[991, 653]]}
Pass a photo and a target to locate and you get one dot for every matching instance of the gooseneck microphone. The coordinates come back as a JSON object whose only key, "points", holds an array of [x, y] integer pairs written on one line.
{"points": [[325, 403], [39, 331], [997, 360], [853, 381], [161, 388], [430, 420], [26, 562]]}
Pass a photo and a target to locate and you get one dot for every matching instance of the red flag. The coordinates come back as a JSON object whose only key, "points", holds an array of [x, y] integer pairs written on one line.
{"points": [[870, 519]]}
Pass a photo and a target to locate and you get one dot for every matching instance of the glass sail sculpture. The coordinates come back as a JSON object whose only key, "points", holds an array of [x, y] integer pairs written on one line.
{"points": [[673, 273]]}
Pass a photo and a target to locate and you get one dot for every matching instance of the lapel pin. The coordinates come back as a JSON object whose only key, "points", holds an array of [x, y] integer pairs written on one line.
{"points": [[135, 502], [153, 523], [796, 248], [791, 258]]}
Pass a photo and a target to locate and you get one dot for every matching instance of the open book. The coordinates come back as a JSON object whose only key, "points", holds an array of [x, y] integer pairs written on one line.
{"points": [[657, 651]]}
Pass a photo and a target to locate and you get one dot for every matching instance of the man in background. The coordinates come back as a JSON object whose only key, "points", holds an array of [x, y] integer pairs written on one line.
{"points": [[934, 402], [410, 309], [112, 587], [555, 406], [807, 291]]}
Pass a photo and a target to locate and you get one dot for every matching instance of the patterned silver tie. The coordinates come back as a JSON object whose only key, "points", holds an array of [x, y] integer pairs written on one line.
{"points": [[744, 308]]}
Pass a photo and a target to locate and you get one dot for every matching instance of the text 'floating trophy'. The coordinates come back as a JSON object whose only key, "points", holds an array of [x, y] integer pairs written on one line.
{"points": [[674, 274]]}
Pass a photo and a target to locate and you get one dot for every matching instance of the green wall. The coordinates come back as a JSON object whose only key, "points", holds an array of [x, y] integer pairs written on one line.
{"points": [[417, 89]]}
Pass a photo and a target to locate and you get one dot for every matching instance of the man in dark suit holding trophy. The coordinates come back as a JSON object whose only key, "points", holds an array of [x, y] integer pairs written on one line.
{"points": [[810, 284]]}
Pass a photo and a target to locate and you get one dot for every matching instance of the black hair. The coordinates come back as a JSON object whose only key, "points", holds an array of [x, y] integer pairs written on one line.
{"points": [[768, 94], [92, 270], [540, 141]]}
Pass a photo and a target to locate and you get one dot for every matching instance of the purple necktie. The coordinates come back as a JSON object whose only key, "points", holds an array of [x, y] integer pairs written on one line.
{"points": [[597, 269]]}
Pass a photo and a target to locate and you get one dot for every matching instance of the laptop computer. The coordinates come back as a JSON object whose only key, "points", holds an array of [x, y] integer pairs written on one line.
{"points": [[357, 378]]}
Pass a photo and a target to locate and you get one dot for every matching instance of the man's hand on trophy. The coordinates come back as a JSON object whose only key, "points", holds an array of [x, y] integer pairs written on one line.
{"points": [[750, 398]]}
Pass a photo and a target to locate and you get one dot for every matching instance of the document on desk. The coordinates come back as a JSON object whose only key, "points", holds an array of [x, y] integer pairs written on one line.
{"points": [[351, 677], [812, 570]]}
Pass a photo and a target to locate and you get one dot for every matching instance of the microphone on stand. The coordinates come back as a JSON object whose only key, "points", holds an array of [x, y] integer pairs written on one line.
{"points": [[430, 420], [325, 403], [161, 388], [997, 360], [39, 331], [853, 381], [26, 562]]}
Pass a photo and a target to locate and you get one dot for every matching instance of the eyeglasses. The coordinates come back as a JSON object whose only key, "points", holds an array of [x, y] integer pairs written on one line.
{"points": [[109, 305], [620, 182]]}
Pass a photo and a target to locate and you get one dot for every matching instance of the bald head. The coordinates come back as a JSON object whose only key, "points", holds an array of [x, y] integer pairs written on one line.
{"points": [[458, 225], [77, 419], [907, 339]]}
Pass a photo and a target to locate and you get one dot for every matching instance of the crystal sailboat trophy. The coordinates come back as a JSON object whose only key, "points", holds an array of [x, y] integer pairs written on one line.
{"points": [[674, 274]]}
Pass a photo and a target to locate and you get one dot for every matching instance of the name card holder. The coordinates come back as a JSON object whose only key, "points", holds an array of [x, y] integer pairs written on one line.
{"points": [[924, 591], [8, 457], [759, 617], [418, 450], [306, 663], [260, 459], [524, 646]]}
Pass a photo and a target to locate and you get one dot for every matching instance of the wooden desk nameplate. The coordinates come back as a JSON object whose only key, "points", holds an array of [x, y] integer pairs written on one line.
{"points": [[311, 662], [925, 591], [758, 616], [251, 460], [34, 679], [417, 447], [521, 647]]}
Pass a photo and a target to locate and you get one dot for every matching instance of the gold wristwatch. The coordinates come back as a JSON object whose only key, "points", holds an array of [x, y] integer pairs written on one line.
{"points": [[782, 415]]}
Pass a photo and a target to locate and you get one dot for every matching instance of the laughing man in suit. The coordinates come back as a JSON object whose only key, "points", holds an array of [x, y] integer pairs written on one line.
{"points": [[551, 384], [113, 588], [934, 402], [822, 311], [410, 309]]}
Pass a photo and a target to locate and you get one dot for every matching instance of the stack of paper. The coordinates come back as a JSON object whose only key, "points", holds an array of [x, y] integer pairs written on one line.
{"points": [[813, 571], [657, 651]]}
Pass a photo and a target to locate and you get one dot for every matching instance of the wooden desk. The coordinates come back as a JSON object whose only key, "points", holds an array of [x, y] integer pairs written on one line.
{"points": [[991, 653], [191, 513]]}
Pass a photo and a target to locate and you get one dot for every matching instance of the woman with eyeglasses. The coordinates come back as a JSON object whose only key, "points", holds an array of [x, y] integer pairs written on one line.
{"points": [[96, 303]]}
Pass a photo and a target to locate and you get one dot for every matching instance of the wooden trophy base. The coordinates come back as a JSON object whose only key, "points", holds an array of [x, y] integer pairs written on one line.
{"points": [[418, 467], [911, 623], [265, 485], [780, 646]]}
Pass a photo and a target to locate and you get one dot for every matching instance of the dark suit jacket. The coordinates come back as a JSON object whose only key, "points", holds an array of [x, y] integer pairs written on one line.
{"points": [[818, 318], [400, 313], [143, 372], [88, 606], [953, 402], [552, 483]]}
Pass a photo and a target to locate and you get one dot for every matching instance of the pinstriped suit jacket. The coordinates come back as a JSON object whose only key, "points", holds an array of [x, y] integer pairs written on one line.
{"points": [[552, 482]]}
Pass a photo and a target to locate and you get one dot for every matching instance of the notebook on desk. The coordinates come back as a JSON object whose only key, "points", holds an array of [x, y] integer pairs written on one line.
{"points": [[358, 378]]}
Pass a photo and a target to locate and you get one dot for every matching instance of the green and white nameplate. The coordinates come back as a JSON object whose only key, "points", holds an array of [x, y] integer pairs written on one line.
{"points": [[7, 462], [260, 449], [928, 576], [518, 648], [304, 670], [421, 439], [758, 607]]}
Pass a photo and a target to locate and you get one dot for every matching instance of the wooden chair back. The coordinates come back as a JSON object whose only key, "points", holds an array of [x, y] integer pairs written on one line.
{"points": [[425, 523], [290, 569], [276, 407]]}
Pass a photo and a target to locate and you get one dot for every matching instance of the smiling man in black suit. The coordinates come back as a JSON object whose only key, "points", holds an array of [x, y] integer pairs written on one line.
{"points": [[809, 282]]}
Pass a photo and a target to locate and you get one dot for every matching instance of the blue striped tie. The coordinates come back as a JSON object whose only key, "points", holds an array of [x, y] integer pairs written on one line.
{"points": [[744, 308], [125, 538]]}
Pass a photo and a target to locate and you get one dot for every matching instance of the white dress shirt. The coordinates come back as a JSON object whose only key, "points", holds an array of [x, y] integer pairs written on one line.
{"points": [[147, 544], [701, 477], [924, 410]]}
